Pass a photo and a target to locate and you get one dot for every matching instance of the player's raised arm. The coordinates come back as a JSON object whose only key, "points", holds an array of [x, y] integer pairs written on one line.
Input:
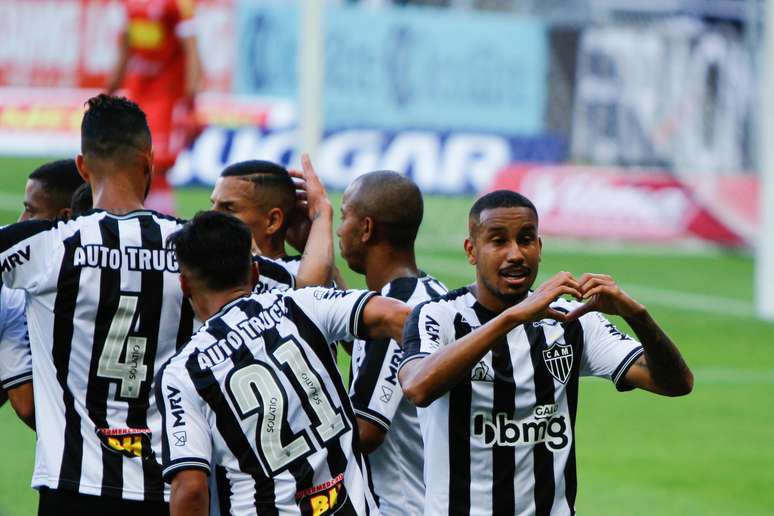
{"points": [[661, 368], [433, 366], [316, 265], [119, 68]]}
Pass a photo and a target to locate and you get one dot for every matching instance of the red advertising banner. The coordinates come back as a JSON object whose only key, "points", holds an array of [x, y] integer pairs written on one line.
{"points": [[74, 43], [619, 204]]}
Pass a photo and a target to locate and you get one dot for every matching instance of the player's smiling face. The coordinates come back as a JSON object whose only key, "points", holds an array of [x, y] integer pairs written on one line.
{"points": [[505, 248]]}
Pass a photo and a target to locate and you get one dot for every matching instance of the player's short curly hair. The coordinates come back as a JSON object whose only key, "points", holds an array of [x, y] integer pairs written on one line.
{"points": [[216, 248], [111, 125], [499, 199]]}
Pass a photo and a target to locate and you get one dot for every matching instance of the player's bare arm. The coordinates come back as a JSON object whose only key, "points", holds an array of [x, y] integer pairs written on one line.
{"points": [[119, 70], [190, 495], [661, 369], [384, 317], [371, 436], [316, 264], [23, 403], [426, 379], [193, 66]]}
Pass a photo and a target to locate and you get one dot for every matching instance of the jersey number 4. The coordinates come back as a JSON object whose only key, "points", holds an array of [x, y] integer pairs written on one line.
{"points": [[256, 389], [131, 372]]}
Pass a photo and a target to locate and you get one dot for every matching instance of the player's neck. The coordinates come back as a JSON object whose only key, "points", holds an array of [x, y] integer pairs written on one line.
{"points": [[385, 264], [115, 196], [271, 248], [207, 303]]}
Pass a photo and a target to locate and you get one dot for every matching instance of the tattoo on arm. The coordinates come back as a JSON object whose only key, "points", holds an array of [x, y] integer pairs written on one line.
{"points": [[661, 357]]}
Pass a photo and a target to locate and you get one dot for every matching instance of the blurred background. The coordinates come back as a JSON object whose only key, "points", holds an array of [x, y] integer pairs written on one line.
{"points": [[635, 126]]}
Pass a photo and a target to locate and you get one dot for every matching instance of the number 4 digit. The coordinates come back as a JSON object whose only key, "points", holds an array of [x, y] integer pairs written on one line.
{"points": [[132, 371]]}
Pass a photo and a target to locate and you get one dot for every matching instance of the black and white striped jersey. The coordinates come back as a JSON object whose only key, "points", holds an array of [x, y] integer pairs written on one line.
{"points": [[290, 263], [273, 275], [104, 311], [15, 356], [396, 466], [502, 440], [256, 396]]}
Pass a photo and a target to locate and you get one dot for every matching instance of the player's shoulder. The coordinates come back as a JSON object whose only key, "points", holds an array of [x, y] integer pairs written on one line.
{"points": [[449, 304]]}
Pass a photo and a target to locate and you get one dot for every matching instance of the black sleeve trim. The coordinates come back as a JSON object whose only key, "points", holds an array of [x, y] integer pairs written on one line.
{"points": [[15, 233], [406, 360], [620, 371], [178, 465], [356, 317], [16, 381], [373, 417]]}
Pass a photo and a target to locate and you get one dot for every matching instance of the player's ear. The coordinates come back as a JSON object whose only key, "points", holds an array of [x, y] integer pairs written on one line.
{"points": [[80, 163], [470, 251], [64, 213], [185, 286], [540, 249], [367, 229], [275, 219]]}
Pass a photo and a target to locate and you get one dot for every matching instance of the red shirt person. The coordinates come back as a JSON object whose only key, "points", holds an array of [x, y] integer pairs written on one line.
{"points": [[159, 67]]}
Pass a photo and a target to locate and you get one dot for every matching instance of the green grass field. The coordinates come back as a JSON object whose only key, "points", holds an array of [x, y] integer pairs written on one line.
{"points": [[709, 453]]}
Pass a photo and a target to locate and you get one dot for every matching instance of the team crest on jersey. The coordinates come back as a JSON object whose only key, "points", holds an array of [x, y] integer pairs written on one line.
{"points": [[558, 359]]}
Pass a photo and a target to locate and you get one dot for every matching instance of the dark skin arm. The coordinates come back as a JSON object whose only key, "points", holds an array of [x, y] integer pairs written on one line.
{"points": [[384, 318], [190, 495], [661, 369], [23, 402], [370, 435], [426, 379], [316, 264], [119, 70]]}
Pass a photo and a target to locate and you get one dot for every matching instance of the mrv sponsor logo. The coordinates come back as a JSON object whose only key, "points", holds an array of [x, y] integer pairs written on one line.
{"points": [[545, 426]]}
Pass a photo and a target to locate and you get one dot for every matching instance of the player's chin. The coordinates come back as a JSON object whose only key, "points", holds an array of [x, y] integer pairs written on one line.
{"points": [[512, 293]]}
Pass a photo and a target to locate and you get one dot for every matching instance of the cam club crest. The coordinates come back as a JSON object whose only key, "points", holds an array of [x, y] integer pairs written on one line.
{"points": [[558, 358]]}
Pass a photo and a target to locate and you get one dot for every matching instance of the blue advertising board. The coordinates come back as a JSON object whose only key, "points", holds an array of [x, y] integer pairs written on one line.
{"points": [[405, 68], [439, 162]]}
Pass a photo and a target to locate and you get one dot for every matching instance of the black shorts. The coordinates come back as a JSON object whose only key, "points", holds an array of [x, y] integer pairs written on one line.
{"points": [[55, 502]]}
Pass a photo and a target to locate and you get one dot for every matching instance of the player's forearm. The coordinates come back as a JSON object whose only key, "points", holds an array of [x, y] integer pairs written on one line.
{"points": [[190, 496], [665, 365], [193, 67], [119, 70], [23, 403], [316, 264], [425, 380]]}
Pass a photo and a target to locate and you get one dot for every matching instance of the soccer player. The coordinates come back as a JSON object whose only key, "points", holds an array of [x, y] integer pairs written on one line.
{"points": [[105, 310], [49, 190], [380, 216], [257, 387], [496, 367], [46, 197], [262, 194], [159, 66]]}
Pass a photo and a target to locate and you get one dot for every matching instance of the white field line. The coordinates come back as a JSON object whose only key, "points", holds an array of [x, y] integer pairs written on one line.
{"points": [[718, 376]]}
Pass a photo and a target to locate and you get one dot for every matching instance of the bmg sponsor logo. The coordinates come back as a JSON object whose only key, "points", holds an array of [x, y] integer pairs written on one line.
{"points": [[545, 426]]}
